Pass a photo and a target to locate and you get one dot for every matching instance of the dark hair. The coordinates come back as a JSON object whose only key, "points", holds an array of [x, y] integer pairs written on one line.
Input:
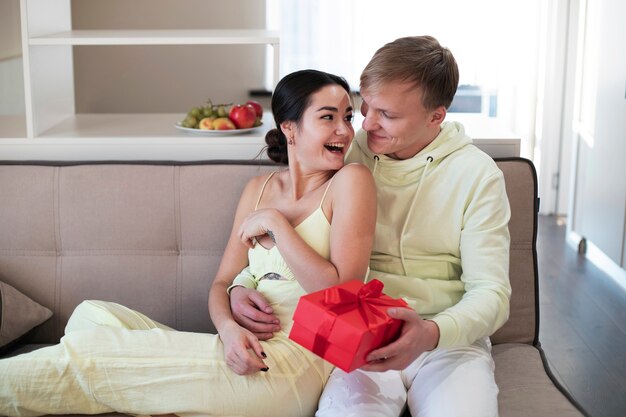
{"points": [[291, 98], [419, 60]]}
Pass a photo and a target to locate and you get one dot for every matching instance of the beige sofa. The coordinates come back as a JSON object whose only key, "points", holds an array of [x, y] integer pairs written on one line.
{"points": [[150, 236]]}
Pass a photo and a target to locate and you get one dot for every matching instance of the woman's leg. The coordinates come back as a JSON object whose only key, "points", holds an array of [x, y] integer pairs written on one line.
{"points": [[157, 372], [102, 369], [93, 313]]}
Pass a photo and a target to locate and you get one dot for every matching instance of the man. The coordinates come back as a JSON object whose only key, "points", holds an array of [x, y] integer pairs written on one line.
{"points": [[441, 243]]}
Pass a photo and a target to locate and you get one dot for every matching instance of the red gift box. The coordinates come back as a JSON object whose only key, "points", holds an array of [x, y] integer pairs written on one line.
{"points": [[342, 324]]}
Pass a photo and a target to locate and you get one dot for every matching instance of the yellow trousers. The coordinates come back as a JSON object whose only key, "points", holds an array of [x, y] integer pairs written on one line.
{"points": [[116, 359]]}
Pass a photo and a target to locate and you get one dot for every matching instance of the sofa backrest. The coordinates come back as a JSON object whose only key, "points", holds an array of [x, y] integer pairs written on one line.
{"points": [[521, 186], [150, 236], [143, 235]]}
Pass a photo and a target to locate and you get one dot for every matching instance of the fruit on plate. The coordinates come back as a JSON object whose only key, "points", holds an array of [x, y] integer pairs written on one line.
{"points": [[223, 123], [240, 116], [257, 107], [259, 111], [206, 123], [243, 115], [190, 121]]}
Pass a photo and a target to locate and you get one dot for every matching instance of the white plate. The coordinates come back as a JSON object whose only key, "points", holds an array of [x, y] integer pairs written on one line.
{"points": [[202, 132]]}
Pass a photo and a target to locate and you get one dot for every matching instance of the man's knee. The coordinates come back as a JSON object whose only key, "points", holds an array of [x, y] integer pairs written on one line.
{"points": [[362, 394]]}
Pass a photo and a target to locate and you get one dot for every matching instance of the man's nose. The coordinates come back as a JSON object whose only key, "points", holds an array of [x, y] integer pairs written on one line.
{"points": [[369, 122]]}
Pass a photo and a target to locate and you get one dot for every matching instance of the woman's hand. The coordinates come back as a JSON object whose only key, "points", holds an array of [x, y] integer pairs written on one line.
{"points": [[242, 350], [258, 223]]}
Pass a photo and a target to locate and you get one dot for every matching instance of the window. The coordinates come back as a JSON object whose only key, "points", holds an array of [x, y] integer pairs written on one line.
{"points": [[495, 42]]}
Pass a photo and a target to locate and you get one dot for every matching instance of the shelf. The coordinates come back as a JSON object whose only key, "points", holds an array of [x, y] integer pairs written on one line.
{"points": [[159, 37], [137, 126], [51, 127]]}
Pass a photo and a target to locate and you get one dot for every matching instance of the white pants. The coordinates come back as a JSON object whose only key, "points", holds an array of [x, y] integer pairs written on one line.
{"points": [[455, 382]]}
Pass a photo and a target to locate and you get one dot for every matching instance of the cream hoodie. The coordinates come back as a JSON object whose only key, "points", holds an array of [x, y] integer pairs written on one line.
{"points": [[442, 238]]}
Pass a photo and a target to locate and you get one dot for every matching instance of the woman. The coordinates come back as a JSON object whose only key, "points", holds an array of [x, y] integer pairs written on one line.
{"points": [[295, 231]]}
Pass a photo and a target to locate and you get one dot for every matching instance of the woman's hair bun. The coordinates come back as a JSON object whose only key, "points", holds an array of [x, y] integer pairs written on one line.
{"points": [[276, 146]]}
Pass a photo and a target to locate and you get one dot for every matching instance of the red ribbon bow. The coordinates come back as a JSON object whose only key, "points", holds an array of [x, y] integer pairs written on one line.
{"points": [[339, 300]]}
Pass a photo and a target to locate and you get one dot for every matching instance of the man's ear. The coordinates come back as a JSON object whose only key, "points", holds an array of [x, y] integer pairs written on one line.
{"points": [[438, 115]]}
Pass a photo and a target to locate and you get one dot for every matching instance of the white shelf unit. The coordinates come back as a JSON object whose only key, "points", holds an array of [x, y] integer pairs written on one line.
{"points": [[47, 42]]}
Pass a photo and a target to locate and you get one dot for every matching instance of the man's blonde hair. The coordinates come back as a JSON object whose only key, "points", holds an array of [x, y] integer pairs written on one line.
{"points": [[419, 60]]}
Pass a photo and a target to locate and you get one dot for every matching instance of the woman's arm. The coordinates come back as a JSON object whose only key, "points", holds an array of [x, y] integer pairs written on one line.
{"points": [[351, 207], [236, 339]]}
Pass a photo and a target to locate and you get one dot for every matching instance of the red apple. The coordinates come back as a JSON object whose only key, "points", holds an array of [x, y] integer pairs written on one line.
{"points": [[257, 107], [243, 116]]}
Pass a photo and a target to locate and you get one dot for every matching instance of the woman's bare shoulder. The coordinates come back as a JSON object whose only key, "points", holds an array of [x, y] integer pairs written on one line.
{"points": [[252, 189], [354, 172], [353, 180], [255, 183]]}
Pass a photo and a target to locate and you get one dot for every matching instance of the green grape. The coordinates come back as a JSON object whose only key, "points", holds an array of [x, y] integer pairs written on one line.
{"points": [[196, 112], [191, 121]]}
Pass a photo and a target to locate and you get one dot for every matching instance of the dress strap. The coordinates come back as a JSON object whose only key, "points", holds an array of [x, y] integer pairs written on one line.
{"points": [[258, 200], [325, 191]]}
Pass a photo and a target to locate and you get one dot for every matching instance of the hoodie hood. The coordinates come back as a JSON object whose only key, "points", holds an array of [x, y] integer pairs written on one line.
{"points": [[401, 172]]}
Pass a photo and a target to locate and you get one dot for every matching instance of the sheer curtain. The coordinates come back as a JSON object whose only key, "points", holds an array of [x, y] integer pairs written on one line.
{"points": [[496, 44]]}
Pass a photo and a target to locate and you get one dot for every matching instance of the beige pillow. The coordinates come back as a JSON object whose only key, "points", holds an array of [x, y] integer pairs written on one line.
{"points": [[18, 314]]}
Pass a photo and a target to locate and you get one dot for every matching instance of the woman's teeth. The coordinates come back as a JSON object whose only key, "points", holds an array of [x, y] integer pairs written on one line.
{"points": [[335, 147]]}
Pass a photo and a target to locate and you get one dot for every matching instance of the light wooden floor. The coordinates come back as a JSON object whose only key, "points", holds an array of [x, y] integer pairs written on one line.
{"points": [[583, 324]]}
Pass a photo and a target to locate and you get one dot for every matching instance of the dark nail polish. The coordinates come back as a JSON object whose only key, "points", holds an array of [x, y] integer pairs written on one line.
{"points": [[265, 369], [264, 355]]}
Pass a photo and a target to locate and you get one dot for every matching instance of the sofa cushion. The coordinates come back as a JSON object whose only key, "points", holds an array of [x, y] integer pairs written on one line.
{"points": [[18, 314], [525, 388]]}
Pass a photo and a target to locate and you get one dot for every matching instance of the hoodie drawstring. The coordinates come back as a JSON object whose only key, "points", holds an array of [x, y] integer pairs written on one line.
{"points": [[376, 159], [429, 159]]}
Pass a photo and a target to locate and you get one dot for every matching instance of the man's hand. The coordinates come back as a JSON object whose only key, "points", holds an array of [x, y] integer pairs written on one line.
{"points": [[242, 350], [417, 337], [252, 311]]}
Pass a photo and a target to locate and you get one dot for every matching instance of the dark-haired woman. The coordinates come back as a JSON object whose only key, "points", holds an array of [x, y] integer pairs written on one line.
{"points": [[296, 230]]}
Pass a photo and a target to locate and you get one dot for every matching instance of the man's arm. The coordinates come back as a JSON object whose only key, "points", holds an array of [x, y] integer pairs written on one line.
{"points": [[484, 248], [251, 310]]}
